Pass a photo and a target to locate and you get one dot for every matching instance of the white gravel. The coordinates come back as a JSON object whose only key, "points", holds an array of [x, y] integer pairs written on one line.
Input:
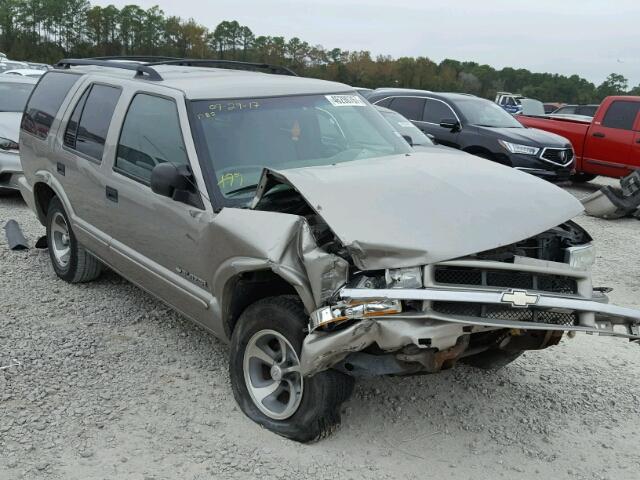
{"points": [[112, 384]]}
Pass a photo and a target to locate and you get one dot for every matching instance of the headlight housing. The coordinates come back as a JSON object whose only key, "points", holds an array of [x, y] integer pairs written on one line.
{"points": [[517, 148], [403, 277], [581, 257], [8, 145]]}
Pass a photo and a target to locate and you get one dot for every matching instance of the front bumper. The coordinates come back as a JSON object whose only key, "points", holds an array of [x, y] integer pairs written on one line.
{"points": [[10, 170], [431, 329], [541, 167]]}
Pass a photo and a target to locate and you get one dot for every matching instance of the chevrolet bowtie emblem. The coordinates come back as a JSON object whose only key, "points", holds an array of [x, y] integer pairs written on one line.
{"points": [[519, 298]]}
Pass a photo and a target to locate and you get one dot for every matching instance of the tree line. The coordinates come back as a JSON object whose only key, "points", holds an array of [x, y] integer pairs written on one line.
{"points": [[48, 30]]}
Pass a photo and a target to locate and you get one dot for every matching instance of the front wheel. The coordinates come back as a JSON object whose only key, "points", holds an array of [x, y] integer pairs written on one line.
{"points": [[265, 373]]}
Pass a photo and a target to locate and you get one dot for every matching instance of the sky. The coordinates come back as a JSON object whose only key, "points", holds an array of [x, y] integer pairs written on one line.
{"points": [[591, 38]]}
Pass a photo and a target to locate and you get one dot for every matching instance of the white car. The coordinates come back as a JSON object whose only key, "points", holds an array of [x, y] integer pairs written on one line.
{"points": [[25, 72], [14, 93]]}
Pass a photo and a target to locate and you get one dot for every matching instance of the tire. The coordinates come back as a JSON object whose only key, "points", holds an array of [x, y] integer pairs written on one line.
{"points": [[309, 416], [492, 359], [76, 265], [582, 177]]}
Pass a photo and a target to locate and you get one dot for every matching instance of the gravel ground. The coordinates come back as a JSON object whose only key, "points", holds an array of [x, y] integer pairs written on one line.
{"points": [[112, 384]]}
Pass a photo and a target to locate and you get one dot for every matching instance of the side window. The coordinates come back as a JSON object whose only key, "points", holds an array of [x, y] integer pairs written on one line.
{"points": [[150, 135], [385, 102], [409, 107], [72, 126], [45, 102], [621, 115], [435, 112]]}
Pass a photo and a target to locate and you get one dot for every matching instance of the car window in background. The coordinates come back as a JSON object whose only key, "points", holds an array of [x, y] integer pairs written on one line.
{"points": [[484, 113], [435, 111], [532, 107], [150, 135], [385, 102], [621, 115], [45, 102], [243, 136], [588, 110], [410, 107], [95, 118], [568, 110], [405, 127], [14, 96]]}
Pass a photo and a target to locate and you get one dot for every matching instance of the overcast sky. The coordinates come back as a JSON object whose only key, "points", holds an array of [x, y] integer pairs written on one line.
{"points": [[589, 37]]}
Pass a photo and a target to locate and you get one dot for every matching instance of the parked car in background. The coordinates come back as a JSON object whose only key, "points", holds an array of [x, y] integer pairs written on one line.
{"points": [[584, 110], [6, 65], [510, 102], [286, 216], [39, 66], [14, 93], [482, 128], [412, 134], [25, 72], [550, 107], [531, 106], [607, 145]]}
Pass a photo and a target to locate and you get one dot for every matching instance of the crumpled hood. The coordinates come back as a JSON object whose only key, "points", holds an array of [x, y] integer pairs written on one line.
{"points": [[527, 136], [10, 125], [420, 208]]}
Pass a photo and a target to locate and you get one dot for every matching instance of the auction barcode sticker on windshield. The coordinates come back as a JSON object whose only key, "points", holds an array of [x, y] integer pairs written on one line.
{"points": [[345, 100]]}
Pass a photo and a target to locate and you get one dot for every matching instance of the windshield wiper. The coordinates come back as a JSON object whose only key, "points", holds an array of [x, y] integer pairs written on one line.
{"points": [[246, 188]]}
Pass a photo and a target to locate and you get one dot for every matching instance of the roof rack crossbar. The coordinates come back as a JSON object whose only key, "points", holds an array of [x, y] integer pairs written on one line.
{"points": [[233, 64], [140, 69]]}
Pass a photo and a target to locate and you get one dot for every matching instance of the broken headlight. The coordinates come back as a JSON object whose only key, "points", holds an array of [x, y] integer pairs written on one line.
{"points": [[582, 257], [403, 277]]}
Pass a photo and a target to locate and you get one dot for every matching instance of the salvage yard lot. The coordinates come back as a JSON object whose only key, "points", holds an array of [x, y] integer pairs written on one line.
{"points": [[113, 384]]}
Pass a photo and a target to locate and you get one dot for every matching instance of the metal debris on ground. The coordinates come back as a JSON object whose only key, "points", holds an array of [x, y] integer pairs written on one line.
{"points": [[613, 202], [15, 237]]}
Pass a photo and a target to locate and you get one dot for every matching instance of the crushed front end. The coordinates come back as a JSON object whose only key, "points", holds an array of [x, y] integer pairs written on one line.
{"points": [[518, 297]]}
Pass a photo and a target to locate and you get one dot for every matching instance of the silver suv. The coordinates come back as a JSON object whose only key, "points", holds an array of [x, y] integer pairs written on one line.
{"points": [[286, 216]]}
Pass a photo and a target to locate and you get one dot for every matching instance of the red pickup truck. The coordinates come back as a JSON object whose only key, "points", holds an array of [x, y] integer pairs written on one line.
{"points": [[608, 145]]}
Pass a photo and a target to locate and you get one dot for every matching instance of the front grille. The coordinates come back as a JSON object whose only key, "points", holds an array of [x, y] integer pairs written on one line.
{"points": [[474, 277], [560, 156], [499, 312]]}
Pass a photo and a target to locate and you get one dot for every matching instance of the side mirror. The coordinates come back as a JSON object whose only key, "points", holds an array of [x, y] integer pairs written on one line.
{"points": [[450, 124], [408, 139], [176, 182]]}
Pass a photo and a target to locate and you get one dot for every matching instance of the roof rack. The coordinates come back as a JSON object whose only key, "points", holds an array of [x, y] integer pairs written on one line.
{"points": [[143, 65], [140, 69], [231, 64]]}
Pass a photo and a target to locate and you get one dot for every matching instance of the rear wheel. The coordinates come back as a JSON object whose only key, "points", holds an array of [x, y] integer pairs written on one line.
{"points": [[265, 373], [582, 177], [69, 259]]}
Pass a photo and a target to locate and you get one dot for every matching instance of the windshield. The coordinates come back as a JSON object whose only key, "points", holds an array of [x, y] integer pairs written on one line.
{"points": [[484, 113], [244, 136], [532, 107], [406, 128], [14, 96]]}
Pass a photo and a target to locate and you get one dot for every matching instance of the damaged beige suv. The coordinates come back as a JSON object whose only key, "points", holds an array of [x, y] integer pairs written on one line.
{"points": [[286, 216]]}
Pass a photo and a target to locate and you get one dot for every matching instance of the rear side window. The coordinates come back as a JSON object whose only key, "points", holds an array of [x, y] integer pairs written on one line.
{"points": [[89, 123], [385, 102], [411, 108], [436, 112], [150, 135], [45, 102], [621, 115]]}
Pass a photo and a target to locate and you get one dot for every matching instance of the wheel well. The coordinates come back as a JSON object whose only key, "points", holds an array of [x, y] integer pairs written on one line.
{"points": [[247, 288], [42, 194]]}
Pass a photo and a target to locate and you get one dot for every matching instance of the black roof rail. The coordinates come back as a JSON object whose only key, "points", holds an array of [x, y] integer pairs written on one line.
{"points": [[142, 71], [138, 58], [231, 64]]}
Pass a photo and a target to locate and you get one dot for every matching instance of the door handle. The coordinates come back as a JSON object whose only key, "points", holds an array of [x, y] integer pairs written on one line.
{"points": [[599, 134], [112, 194]]}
